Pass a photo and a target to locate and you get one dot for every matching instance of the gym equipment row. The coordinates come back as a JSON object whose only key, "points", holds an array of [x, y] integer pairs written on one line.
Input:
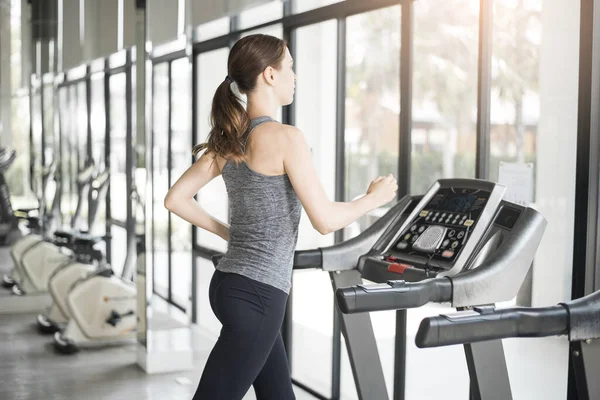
{"points": [[87, 305], [460, 243]]}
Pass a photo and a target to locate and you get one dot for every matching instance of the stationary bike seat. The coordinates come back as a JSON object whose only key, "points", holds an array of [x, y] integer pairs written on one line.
{"points": [[65, 235], [86, 240]]}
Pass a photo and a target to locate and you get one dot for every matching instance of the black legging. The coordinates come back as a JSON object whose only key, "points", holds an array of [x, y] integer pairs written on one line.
{"points": [[250, 350]]}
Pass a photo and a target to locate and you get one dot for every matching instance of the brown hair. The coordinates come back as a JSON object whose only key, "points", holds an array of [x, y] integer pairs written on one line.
{"points": [[229, 120]]}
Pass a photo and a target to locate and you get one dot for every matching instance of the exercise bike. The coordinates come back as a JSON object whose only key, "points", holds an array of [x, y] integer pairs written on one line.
{"points": [[37, 257], [102, 309], [63, 278]]}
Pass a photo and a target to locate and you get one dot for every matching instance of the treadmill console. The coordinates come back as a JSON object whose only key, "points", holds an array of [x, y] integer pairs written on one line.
{"points": [[439, 232], [444, 225]]}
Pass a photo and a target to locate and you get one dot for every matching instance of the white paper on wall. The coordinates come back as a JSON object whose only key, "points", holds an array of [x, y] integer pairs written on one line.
{"points": [[518, 179]]}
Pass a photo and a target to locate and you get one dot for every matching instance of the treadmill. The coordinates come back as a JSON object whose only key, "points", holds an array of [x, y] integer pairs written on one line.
{"points": [[579, 319], [461, 243]]}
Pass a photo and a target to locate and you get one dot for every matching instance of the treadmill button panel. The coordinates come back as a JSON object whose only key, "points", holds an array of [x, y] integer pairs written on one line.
{"points": [[443, 227]]}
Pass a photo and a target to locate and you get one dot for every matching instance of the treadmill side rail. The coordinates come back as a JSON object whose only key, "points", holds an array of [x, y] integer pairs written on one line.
{"points": [[499, 278], [344, 256]]}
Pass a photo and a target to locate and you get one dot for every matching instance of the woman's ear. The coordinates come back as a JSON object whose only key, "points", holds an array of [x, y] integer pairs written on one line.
{"points": [[269, 75]]}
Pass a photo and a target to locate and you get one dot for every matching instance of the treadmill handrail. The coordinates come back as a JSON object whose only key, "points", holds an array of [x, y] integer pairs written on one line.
{"points": [[484, 324], [393, 295], [344, 256], [584, 317], [509, 264]]}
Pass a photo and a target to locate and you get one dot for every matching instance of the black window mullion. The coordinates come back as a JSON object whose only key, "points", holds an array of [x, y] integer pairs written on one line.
{"points": [[194, 294], [288, 117], [89, 150], [340, 120], [404, 172], [586, 243], [169, 162], [107, 122], [406, 76], [129, 267], [150, 153], [484, 89], [340, 190]]}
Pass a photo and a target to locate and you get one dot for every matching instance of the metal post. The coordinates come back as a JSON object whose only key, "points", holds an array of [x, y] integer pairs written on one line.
{"points": [[169, 178], [361, 344], [336, 354], [484, 89], [406, 72], [488, 371], [194, 114], [89, 150], [140, 61], [400, 356], [289, 118], [340, 114], [404, 172], [130, 164], [340, 192], [107, 122]]}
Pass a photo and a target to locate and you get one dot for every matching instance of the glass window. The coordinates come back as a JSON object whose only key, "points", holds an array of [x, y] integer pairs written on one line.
{"points": [[82, 125], [48, 122], [98, 121], [17, 177], [181, 159], [73, 154], [15, 47], [98, 124], [118, 143], [372, 134], [212, 68], [444, 91], [66, 146], [36, 144], [51, 143], [307, 5], [372, 103], [118, 249], [160, 178], [314, 104], [271, 11], [70, 156], [555, 160], [82, 138], [515, 108]]}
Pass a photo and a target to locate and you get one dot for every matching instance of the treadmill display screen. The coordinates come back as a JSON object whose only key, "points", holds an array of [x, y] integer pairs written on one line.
{"points": [[444, 225]]}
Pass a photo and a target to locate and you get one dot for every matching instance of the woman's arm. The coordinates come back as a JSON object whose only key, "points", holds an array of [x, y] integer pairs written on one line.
{"points": [[327, 216], [180, 198]]}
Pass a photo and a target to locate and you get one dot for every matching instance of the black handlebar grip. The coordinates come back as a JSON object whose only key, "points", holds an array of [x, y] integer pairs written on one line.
{"points": [[394, 295], [483, 325], [307, 259]]}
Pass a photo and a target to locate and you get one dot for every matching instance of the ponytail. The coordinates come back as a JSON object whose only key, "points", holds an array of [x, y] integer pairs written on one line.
{"points": [[229, 121]]}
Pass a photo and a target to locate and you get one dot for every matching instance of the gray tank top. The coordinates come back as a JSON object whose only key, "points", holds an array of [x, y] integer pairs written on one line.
{"points": [[265, 213]]}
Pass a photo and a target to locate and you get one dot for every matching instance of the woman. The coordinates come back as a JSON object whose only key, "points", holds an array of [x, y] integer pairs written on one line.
{"points": [[269, 175]]}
